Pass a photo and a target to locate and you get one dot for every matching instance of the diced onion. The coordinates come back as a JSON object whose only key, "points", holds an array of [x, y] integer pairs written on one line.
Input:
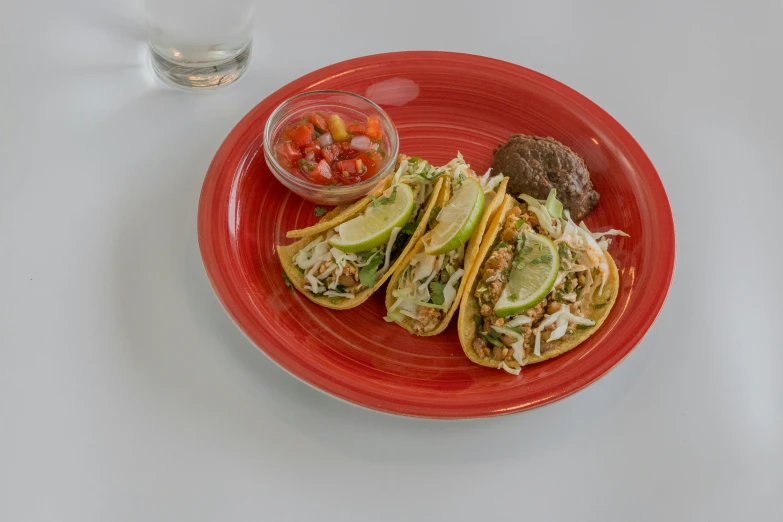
{"points": [[325, 139], [361, 143]]}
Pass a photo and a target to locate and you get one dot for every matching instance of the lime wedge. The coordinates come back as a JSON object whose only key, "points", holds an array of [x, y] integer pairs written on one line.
{"points": [[374, 227], [528, 285], [458, 219]]}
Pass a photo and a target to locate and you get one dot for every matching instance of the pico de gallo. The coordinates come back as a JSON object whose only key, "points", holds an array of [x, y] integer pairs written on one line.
{"points": [[327, 150]]}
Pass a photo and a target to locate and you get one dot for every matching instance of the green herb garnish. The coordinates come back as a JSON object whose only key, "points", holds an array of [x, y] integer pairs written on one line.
{"points": [[368, 271], [516, 329], [582, 327], [520, 222], [518, 262], [319, 211], [599, 305], [479, 321], [287, 281], [334, 299], [302, 162], [490, 340], [436, 292], [500, 245], [409, 228], [390, 199], [564, 251], [546, 258]]}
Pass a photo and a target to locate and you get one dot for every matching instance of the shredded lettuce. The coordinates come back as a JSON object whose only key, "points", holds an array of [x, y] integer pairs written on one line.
{"points": [[404, 297], [450, 290], [553, 205], [506, 367], [517, 345]]}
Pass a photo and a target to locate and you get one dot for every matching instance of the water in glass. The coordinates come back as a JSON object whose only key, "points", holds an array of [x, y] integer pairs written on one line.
{"points": [[200, 43]]}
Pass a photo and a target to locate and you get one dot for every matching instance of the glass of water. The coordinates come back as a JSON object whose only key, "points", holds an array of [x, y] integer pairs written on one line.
{"points": [[200, 44]]}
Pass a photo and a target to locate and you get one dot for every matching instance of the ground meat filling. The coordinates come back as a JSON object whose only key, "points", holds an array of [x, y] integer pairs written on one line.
{"points": [[427, 319], [493, 277]]}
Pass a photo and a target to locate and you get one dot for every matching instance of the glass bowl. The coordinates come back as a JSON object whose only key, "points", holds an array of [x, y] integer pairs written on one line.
{"points": [[346, 104]]}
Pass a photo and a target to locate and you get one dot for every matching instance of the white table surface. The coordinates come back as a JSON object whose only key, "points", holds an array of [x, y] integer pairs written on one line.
{"points": [[126, 393]]}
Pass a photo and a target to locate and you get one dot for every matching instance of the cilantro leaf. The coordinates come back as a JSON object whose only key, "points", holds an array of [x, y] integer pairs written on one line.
{"points": [[436, 292], [516, 329], [491, 340], [546, 258], [367, 272], [500, 245], [518, 263], [287, 281], [521, 239], [319, 211], [409, 228], [582, 327], [479, 321], [564, 251], [520, 222], [375, 202], [390, 199], [367, 254], [599, 305]]}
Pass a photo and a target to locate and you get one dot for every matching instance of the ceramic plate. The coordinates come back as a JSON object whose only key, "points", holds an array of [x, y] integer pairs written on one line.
{"points": [[441, 103]]}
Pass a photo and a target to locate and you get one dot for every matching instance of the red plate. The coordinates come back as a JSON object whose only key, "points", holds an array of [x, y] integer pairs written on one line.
{"points": [[441, 103]]}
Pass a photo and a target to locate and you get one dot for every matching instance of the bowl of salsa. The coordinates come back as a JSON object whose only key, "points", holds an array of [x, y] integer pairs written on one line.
{"points": [[330, 147]]}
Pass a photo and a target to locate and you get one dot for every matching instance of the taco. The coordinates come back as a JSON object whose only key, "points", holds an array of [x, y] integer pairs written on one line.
{"points": [[541, 286], [425, 291], [330, 272]]}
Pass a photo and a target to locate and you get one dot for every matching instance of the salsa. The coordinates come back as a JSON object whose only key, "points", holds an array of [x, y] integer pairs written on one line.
{"points": [[326, 150]]}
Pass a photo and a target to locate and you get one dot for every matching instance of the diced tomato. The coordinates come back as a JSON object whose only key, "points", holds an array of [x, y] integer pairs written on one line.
{"points": [[302, 135], [319, 122], [345, 148], [289, 152], [331, 153], [374, 130], [322, 173], [356, 128], [373, 160], [348, 166], [338, 163], [315, 149]]}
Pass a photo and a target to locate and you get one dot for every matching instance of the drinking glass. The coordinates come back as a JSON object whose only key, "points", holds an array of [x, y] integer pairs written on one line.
{"points": [[200, 44]]}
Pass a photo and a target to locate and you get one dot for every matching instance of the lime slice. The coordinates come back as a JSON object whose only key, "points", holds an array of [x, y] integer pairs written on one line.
{"points": [[374, 227], [528, 285], [458, 219]]}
